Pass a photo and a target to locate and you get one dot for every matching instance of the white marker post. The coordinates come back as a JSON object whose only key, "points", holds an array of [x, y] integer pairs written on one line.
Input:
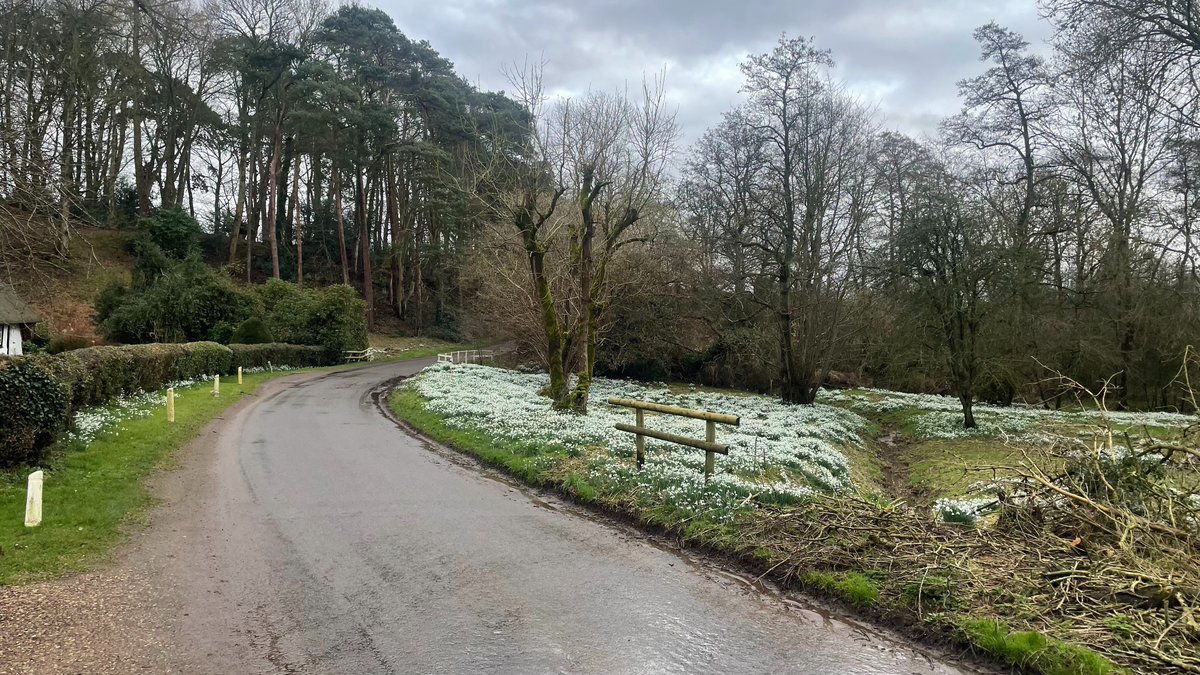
{"points": [[239, 375], [171, 404], [33, 500], [216, 385]]}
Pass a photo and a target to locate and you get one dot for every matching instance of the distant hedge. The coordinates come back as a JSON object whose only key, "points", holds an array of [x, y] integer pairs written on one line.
{"points": [[39, 392], [275, 354]]}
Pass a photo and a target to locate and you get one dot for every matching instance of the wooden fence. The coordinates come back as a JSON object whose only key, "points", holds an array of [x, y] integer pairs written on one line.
{"points": [[466, 356], [709, 445]]}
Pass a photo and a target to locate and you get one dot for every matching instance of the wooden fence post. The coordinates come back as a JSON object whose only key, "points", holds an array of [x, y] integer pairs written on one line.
{"points": [[171, 404], [216, 385], [639, 440], [710, 458], [239, 375]]}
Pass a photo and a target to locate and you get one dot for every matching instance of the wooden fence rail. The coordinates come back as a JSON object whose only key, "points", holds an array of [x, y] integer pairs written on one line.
{"points": [[466, 356], [709, 445]]}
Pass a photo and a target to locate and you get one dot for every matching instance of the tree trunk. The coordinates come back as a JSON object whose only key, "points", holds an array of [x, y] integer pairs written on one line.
{"points": [[269, 217], [140, 179], [341, 225], [393, 211], [364, 239], [557, 390], [968, 408], [297, 230]]}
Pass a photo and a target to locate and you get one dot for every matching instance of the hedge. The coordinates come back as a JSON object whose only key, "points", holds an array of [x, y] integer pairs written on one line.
{"points": [[35, 409], [39, 392], [281, 354]]}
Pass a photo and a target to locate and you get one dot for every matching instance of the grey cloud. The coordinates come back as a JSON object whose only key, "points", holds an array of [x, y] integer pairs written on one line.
{"points": [[905, 56]]}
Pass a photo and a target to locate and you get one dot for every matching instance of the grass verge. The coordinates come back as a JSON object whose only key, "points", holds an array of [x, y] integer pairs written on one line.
{"points": [[93, 492]]}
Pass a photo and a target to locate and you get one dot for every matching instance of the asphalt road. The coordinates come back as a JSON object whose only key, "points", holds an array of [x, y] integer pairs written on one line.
{"points": [[312, 535]]}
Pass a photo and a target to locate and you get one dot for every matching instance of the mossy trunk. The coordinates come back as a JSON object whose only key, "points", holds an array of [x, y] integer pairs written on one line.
{"points": [[557, 390]]}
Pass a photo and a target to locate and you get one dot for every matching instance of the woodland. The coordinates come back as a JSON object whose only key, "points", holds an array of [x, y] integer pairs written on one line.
{"points": [[1047, 230]]}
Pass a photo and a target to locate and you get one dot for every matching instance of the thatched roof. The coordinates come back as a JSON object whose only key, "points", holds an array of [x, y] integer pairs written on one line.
{"points": [[14, 310]]}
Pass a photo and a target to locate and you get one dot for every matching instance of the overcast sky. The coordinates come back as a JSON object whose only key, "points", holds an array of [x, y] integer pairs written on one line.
{"points": [[905, 56]]}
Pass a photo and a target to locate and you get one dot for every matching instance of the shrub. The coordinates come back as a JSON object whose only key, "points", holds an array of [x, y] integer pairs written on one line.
{"points": [[35, 409], [333, 317], [97, 375], [188, 303], [111, 297], [40, 392], [65, 343], [173, 231], [279, 354], [252, 331]]}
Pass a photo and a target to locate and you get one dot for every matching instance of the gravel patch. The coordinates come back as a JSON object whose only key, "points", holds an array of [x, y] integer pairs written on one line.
{"points": [[89, 623]]}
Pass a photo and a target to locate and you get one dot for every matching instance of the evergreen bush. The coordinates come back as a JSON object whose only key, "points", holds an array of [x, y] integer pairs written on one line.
{"points": [[252, 331], [34, 412]]}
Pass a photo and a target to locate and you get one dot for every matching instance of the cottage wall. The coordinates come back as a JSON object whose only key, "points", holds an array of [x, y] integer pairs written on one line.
{"points": [[10, 341]]}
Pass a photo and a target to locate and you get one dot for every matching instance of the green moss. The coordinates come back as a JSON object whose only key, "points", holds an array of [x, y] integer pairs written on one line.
{"points": [[859, 589], [821, 581], [1033, 651], [852, 587]]}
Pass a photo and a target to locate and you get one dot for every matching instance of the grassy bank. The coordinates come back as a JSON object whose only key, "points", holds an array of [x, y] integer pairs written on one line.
{"points": [[95, 481], [1016, 591]]}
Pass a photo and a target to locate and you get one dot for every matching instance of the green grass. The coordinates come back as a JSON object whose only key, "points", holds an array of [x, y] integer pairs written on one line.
{"points": [[1033, 651], [92, 494], [853, 587], [946, 467], [519, 459]]}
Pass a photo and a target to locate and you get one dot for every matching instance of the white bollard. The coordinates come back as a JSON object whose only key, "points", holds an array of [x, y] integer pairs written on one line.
{"points": [[239, 375], [33, 500], [216, 385]]}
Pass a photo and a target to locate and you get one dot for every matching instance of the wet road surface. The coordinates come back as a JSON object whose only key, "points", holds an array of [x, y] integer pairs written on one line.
{"points": [[314, 536]]}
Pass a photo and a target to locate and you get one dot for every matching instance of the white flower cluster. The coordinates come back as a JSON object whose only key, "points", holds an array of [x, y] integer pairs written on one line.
{"points": [[778, 453], [269, 368], [941, 416], [963, 510], [90, 423]]}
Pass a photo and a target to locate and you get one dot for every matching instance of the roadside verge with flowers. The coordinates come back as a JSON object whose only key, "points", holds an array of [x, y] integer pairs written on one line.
{"points": [[95, 476]]}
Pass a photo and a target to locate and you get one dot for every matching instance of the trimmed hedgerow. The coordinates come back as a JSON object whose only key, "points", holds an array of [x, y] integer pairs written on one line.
{"points": [[275, 354], [34, 411], [198, 359], [40, 391]]}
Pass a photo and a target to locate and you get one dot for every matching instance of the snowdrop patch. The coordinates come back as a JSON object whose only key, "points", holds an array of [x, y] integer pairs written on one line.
{"points": [[941, 416], [91, 423], [780, 453]]}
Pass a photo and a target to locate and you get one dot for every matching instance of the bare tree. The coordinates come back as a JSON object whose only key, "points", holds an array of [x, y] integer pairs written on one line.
{"points": [[816, 138], [1110, 136], [615, 156]]}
